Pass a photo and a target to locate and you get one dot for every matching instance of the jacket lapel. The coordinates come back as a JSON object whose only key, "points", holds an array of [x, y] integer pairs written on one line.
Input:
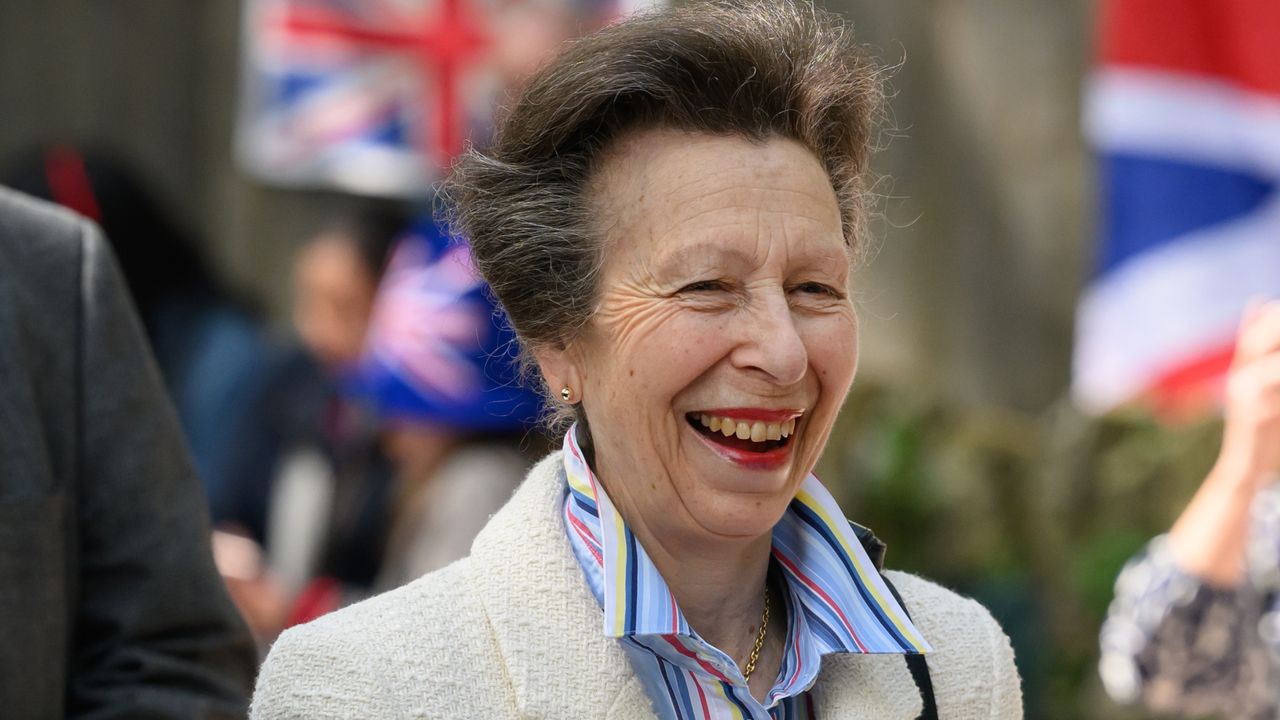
{"points": [[866, 687], [547, 626], [632, 703]]}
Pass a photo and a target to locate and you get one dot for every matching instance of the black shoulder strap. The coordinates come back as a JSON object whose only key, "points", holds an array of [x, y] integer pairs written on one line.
{"points": [[918, 666]]}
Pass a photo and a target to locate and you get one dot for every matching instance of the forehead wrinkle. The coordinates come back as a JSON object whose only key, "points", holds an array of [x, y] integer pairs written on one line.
{"points": [[799, 229], [697, 255], [804, 238], [643, 191], [762, 196], [745, 196], [701, 253], [743, 214]]}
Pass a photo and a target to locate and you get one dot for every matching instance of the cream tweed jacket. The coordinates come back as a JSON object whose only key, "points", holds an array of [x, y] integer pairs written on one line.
{"points": [[512, 631]]}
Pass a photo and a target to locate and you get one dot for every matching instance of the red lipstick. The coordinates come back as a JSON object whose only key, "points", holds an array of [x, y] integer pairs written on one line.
{"points": [[748, 455], [749, 459]]}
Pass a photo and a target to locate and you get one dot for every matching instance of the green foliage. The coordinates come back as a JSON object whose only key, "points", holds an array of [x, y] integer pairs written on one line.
{"points": [[1034, 516]]}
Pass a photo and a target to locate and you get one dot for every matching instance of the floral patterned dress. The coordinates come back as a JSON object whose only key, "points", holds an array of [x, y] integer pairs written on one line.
{"points": [[1181, 645]]}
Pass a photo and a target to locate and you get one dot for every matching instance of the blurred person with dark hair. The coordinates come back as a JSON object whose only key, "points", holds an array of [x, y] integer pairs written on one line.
{"points": [[441, 370], [1195, 624], [353, 503], [110, 606], [336, 275], [206, 341], [305, 439]]}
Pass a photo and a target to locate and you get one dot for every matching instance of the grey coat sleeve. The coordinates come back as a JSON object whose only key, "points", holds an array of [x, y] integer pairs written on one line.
{"points": [[154, 633]]}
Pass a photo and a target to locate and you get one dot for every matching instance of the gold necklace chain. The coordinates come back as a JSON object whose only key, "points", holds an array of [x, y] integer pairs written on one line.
{"points": [[755, 651]]}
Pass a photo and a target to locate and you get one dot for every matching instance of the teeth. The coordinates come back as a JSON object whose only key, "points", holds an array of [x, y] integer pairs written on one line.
{"points": [[756, 431]]}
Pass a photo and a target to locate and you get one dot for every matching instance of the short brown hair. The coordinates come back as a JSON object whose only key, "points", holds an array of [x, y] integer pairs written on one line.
{"points": [[757, 69]]}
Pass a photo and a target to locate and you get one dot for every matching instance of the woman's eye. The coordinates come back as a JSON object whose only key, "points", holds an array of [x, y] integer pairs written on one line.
{"points": [[703, 286], [816, 288]]}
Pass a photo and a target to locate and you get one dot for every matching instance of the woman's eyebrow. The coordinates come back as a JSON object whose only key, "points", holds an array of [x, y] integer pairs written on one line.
{"points": [[833, 259], [701, 253]]}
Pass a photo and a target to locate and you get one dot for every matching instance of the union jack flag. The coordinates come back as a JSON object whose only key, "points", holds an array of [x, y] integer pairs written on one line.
{"points": [[438, 351], [425, 326], [1184, 109], [378, 96]]}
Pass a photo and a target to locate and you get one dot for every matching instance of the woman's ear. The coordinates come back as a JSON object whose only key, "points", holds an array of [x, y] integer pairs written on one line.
{"points": [[560, 372]]}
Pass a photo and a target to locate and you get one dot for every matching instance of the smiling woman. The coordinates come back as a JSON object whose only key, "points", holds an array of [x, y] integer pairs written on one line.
{"points": [[722, 294], [669, 215]]}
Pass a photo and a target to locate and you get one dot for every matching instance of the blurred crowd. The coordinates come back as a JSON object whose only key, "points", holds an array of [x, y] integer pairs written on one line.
{"points": [[359, 450]]}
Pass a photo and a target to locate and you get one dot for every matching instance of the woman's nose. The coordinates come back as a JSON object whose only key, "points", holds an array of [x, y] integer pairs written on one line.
{"points": [[771, 342]]}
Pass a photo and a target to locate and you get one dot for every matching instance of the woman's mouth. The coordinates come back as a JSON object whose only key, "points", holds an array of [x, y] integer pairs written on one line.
{"points": [[756, 439]]}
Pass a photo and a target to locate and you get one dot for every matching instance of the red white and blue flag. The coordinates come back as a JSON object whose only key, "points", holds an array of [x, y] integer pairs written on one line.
{"points": [[378, 96], [438, 351], [1184, 112]]}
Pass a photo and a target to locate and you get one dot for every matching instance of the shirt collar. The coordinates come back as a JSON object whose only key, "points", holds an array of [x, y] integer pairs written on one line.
{"points": [[840, 601]]}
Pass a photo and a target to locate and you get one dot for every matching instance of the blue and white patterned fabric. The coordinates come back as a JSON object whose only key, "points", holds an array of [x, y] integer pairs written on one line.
{"points": [[1179, 644]]}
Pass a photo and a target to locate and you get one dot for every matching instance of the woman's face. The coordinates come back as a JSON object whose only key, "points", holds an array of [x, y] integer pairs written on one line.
{"points": [[333, 299], [723, 302]]}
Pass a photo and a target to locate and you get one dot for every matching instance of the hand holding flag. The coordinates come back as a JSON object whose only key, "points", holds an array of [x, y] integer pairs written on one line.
{"points": [[1210, 537], [1251, 443]]}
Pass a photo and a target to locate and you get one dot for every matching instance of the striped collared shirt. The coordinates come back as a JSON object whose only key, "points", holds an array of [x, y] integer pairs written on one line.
{"points": [[836, 602]]}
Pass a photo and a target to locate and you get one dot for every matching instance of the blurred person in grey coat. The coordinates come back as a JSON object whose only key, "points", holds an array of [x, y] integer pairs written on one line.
{"points": [[205, 335], [109, 602]]}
